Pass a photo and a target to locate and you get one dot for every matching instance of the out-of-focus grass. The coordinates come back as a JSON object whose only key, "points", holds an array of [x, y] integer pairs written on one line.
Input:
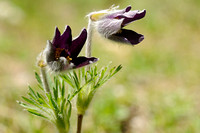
{"points": [[158, 87]]}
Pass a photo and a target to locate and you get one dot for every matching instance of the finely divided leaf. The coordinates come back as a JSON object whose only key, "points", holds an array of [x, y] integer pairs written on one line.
{"points": [[35, 112], [38, 78]]}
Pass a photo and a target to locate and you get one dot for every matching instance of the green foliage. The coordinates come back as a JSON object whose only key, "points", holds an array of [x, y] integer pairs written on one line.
{"points": [[53, 106], [56, 106], [87, 82]]}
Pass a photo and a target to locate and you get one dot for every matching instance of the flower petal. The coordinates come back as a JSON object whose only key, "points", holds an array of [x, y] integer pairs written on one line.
{"points": [[77, 44], [132, 16], [115, 13], [127, 9], [66, 38], [83, 61], [108, 27], [127, 36], [56, 39]]}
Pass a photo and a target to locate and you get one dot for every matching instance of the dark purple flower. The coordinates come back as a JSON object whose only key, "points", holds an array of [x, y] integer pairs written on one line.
{"points": [[62, 52], [110, 24]]}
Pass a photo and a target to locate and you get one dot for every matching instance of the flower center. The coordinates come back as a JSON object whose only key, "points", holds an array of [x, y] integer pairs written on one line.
{"points": [[62, 52], [119, 32], [117, 17]]}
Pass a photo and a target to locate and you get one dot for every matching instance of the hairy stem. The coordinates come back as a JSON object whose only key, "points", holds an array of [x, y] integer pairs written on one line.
{"points": [[44, 79], [89, 39], [79, 123], [62, 130]]}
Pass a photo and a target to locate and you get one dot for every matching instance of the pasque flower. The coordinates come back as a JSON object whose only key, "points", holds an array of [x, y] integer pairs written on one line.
{"points": [[110, 23], [62, 52]]}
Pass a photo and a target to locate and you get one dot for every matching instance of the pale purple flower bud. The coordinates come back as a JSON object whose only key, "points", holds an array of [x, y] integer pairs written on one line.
{"points": [[110, 23]]}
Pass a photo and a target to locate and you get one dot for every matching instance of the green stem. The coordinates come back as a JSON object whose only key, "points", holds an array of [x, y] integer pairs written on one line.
{"points": [[44, 79], [62, 130], [79, 123], [61, 125]]}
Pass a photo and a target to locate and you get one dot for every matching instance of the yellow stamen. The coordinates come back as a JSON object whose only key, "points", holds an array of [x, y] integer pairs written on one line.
{"points": [[68, 58], [58, 52], [41, 63], [96, 16]]}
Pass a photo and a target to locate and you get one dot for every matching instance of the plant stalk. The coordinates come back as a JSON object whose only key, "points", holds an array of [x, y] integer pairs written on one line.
{"points": [[44, 79], [88, 53], [62, 130], [79, 123], [89, 39]]}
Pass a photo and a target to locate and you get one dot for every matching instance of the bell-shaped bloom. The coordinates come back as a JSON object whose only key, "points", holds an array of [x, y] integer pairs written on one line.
{"points": [[110, 23], [62, 52]]}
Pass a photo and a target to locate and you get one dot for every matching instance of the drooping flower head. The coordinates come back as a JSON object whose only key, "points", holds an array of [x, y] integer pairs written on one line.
{"points": [[110, 23], [62, 52]]}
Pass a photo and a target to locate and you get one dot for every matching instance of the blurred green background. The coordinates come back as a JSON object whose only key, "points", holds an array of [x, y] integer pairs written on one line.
{"points": [[157, 90]]}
